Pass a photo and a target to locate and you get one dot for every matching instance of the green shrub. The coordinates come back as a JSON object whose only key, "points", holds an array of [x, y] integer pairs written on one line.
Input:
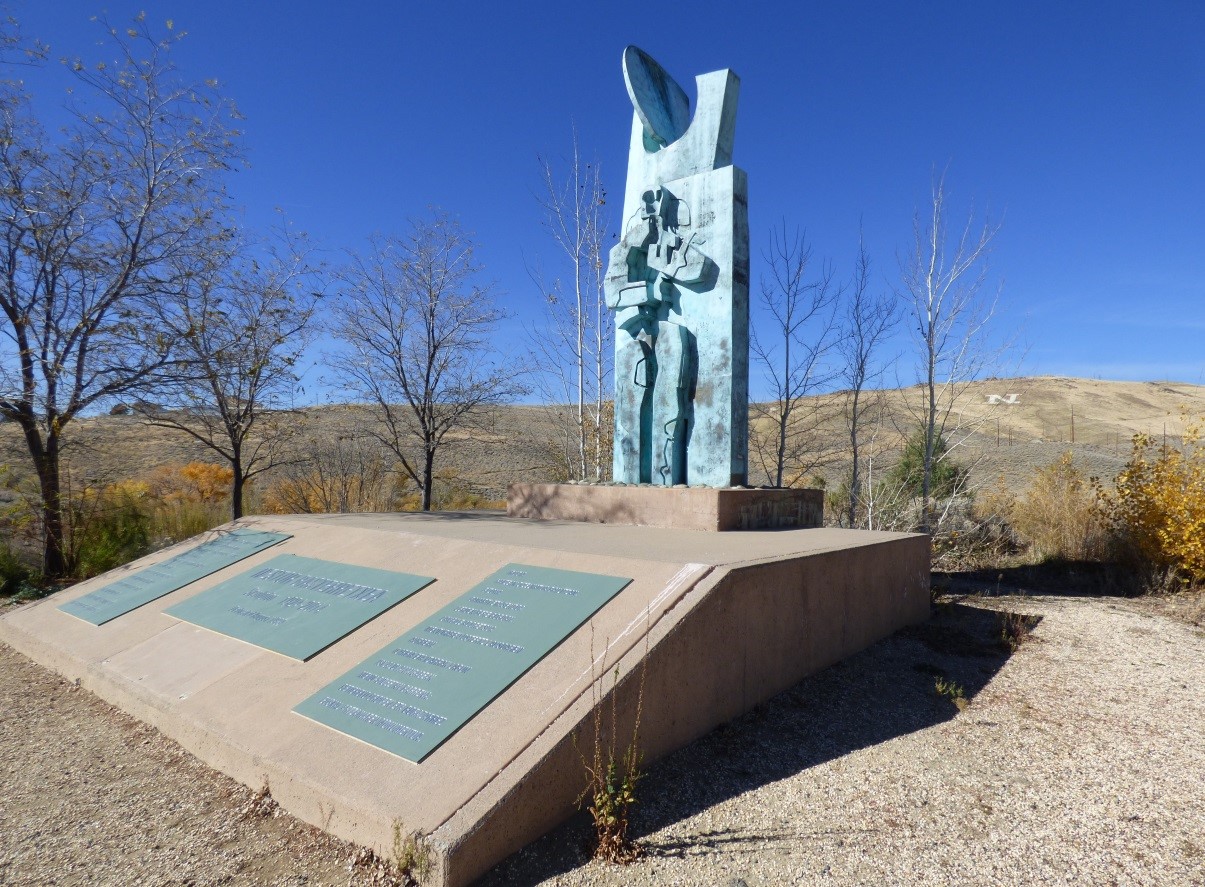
{"points": [[909, 472], [175, 521], [14, 573], [109, 528]]}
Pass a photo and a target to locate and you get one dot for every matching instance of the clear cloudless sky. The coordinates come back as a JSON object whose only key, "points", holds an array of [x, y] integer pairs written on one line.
{"points": [[1079, 125]]}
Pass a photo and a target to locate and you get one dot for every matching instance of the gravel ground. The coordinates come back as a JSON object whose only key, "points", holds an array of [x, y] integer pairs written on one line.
{"points": [[1080, 759], [93, 796]]}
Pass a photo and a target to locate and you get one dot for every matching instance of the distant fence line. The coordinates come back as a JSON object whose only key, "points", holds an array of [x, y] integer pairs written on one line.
{"points": [[1079, 429]]}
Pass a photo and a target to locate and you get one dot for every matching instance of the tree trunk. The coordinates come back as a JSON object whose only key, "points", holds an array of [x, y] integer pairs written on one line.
{"points": [[854, 478], [780, 449], [930, 441], [581, 369], [237, 482], [428, 478], [54, 560]]}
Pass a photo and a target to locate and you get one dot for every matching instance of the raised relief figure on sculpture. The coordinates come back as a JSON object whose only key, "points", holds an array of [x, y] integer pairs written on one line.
{"points": [[678, 282]]}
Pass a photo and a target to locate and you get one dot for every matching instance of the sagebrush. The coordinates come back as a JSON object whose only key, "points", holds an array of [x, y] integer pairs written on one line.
{"points": [[1058, 515]]}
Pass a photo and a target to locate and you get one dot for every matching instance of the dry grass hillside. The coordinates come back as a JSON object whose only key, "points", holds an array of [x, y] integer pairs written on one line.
{"points": [[1000, 427], [1007, 427]]}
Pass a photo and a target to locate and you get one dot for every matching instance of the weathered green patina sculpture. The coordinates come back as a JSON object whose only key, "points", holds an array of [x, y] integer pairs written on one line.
{"points": [[678, 282]]}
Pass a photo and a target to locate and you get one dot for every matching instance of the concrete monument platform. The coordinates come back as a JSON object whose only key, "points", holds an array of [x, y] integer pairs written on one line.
{"points": [[681, 507], [715, 622]]}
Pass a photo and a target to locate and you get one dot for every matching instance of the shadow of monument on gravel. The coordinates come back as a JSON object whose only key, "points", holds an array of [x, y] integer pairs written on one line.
{"points": [[887, 690], [1053, 577]]}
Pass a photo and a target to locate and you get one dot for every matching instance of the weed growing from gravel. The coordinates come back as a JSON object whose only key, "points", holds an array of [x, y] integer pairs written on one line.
{"points": [[372, 871], [261, 803], [411, 853], [612, 776], [1015, 628], [953, 692]]}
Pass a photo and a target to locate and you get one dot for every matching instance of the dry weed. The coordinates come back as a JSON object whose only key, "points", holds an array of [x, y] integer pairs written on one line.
{"points": [[613, 775], [1059, 516], [260, 804], [1015, 628]]}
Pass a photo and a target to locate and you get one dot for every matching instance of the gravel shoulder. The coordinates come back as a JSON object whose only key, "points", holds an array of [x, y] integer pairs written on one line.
{"points": [[1080, 759]]}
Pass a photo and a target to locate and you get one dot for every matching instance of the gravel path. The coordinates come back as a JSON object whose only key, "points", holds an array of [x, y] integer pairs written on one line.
{"points": [[1080, 759]]}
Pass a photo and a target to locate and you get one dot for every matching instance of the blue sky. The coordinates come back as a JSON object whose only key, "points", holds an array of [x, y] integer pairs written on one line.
{"points": [[1081, 126]]}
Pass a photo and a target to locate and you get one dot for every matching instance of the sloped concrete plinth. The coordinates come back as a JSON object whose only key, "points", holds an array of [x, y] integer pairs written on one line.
{"points": [[679, 508], [716, 623]]}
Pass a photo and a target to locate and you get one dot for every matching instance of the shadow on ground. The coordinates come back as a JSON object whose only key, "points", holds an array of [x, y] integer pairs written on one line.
{"points": [[883, 692], [1053, 577]]}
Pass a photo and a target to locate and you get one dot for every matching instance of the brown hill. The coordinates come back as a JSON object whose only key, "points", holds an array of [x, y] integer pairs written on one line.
{"points": [[999, 427], [1008, 427]]}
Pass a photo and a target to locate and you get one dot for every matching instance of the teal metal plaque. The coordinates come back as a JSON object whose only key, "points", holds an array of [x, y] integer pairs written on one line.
{"points": [[411, 695], [297, 606], [151, 583]]}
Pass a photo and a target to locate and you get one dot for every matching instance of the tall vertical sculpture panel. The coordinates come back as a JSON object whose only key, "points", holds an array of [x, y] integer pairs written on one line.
{"points": [[678, 282]]}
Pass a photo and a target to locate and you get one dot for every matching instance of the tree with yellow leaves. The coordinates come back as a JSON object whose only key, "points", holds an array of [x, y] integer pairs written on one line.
{"points": [[1157, 510]]}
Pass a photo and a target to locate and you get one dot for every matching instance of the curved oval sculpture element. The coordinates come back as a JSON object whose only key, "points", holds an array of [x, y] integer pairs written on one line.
{"points": [[661, 104]]}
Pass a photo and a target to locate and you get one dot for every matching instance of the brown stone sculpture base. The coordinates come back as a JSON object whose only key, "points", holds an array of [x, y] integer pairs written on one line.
{"points": [[676, 508]]}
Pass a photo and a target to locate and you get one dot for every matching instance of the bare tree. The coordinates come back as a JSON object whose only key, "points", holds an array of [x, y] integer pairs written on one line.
{"points": [[795, 358], [417, 327], [242, 328], [96, 227], [573, 353], [17, 48], [943, 296], [867, 319]]}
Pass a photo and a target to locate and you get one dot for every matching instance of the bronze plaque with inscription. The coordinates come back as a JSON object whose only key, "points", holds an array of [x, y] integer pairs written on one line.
{"points": [[133, 590], [414, 693], [297, 606]]}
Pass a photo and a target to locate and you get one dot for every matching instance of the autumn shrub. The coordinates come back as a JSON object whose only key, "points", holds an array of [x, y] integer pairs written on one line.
{"points": [[107, 527], [1156, 511], [451, 492], [109, 524], [312, 492], [346, 474], [1058, 515], [209, 483], [185, 500], [995, 502]]}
